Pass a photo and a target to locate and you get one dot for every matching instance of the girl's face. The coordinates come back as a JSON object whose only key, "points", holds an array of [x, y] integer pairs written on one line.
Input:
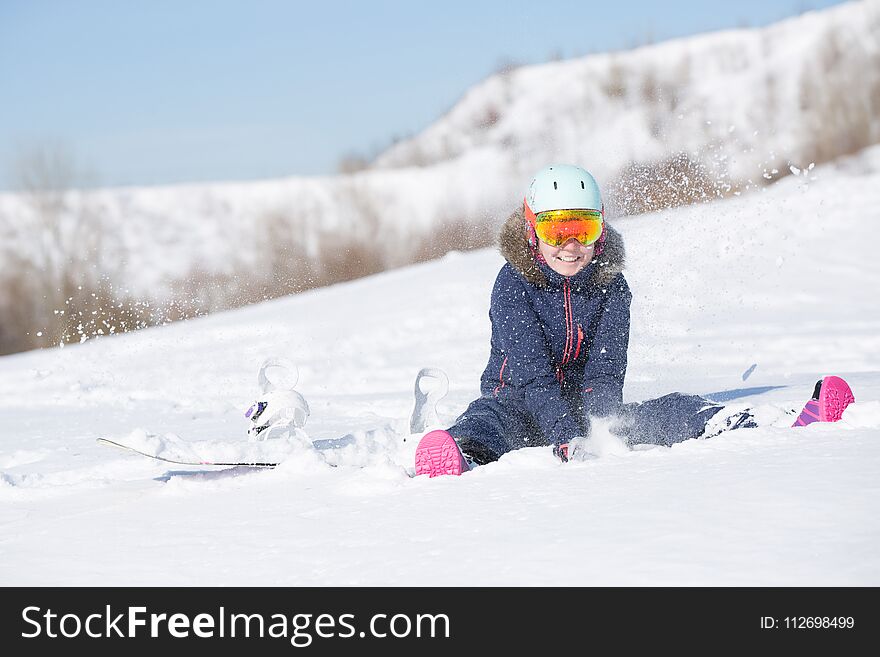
{"points": [[567, 259]]}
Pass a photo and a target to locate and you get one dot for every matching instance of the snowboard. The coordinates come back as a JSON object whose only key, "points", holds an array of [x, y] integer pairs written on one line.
{"points": [[424, 413], [194, 462]]}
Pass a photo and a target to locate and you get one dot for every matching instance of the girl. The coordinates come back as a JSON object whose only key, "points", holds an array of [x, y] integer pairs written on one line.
{"points": [[560, 329]]}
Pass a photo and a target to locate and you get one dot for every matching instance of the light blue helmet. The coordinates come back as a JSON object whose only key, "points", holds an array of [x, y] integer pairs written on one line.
{"points": [[562, 187]]}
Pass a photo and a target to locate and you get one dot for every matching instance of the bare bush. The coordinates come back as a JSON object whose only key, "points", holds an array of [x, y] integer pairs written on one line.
{"points": [[355, 249], [284, 265], [615, 85], [650, 186], [489, 116], [45, 174], [59, 267], [506, 65], [650, 87], [101, 310], [344, 259], [279, 265], [21, 325], [453, 235], [202, 292], [352, 163], [840, 98], [35, 315]]}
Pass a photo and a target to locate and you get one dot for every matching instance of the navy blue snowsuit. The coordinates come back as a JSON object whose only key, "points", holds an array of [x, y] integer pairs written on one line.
{"points": [[558, 358]]}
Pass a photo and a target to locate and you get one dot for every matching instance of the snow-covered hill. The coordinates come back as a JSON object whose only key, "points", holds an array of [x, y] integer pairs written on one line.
{"points": [[783, 280], [743, 104]]}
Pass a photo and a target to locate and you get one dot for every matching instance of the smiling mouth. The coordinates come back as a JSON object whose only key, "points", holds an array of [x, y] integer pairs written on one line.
{"points": [[566, 258]]}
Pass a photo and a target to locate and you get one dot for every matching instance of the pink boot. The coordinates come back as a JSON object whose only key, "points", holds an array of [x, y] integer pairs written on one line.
{"points": [[438, 454], [831, 396]]}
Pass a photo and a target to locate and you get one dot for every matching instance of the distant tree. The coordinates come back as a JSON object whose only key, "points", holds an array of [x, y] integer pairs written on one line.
{"points": [[55, 283], [352, 163]]}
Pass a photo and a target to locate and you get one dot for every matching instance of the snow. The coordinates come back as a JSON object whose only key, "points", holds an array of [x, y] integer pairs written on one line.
{"points": [[780, 282]]}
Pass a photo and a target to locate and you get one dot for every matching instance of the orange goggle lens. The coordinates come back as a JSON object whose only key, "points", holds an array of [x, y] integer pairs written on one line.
{"points": [[556, 227]]}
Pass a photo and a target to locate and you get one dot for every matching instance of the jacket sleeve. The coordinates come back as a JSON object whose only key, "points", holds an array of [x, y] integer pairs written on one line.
{"points": [[519, 334], [606, 365]]}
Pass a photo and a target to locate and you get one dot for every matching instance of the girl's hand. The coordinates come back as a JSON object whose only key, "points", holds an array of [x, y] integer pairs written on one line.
{"points": [[561, 452]]}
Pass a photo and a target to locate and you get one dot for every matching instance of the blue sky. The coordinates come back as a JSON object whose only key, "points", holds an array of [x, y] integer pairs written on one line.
{"points": [[156, 92]]}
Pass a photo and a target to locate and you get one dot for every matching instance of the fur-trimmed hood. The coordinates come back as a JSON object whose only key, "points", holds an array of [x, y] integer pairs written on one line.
{"points": [[514, 246]]}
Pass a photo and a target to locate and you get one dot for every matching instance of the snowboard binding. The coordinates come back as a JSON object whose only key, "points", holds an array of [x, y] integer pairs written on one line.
{"points": [[279, 410], [430, 387]]}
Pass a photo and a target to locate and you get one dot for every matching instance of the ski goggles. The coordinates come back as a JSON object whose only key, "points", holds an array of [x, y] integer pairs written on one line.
{"points": [[556, 227]]}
